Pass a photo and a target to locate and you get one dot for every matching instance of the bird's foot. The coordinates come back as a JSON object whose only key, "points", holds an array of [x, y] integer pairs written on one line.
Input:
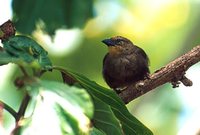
{"points": [[120, 89]]}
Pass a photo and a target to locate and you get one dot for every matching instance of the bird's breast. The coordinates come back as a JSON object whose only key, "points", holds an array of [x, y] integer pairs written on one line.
{"points": [[118, 66]]}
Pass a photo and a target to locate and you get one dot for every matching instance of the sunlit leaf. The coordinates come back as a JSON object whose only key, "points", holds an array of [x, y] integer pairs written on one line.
{"points": [[130, 125], [59, 110], [51, 14], [79, 98]]}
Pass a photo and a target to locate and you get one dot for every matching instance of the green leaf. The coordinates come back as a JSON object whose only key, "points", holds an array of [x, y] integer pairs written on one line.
{"points": [[59, 110], [50, 14], [95, 131], [130, 125], [23, 50], [104, 119], [78, 97], [67, 120], [6, 58]]}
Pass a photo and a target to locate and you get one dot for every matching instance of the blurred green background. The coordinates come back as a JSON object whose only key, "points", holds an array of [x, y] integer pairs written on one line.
{"points": [[72, 30]]}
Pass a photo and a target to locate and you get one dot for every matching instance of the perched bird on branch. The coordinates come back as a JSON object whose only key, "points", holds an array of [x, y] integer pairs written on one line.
{"points": [[124, 64]]}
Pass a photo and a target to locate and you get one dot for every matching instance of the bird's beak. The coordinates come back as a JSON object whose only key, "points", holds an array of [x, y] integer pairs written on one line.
{"points": [[108, 42]]}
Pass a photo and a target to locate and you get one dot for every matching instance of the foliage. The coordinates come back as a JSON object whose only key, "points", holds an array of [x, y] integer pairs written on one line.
{"points": [[50, 15], [112, 108], [58, 108], [151, 28], [23, 50]]}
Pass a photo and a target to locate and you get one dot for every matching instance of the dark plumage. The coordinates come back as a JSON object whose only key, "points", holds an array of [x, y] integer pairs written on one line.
{"points": [[124, 64]]}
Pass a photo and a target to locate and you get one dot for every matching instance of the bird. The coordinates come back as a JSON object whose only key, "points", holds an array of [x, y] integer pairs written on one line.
{"points": [[124, 64]]}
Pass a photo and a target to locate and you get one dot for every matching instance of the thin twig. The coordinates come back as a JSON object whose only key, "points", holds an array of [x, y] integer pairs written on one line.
{"points": [[174, 72], [23, 107], [9, 109]]}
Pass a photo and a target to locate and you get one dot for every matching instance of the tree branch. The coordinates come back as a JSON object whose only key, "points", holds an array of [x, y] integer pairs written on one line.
{"points": [[174, 72]]}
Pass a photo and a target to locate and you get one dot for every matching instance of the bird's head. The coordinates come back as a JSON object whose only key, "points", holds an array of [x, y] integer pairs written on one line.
{"points": [[118, 44]]}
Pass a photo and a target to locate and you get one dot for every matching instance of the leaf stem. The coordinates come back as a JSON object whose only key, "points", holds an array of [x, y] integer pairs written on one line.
{"points": [[23, 71], [59, 68], [9, 109]]}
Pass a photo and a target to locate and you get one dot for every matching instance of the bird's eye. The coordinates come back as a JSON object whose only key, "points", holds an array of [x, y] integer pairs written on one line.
{"points": [[119, 41]]}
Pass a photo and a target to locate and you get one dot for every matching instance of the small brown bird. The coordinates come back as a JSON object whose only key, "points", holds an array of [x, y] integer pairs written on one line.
{"points": [[124, 64]]}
